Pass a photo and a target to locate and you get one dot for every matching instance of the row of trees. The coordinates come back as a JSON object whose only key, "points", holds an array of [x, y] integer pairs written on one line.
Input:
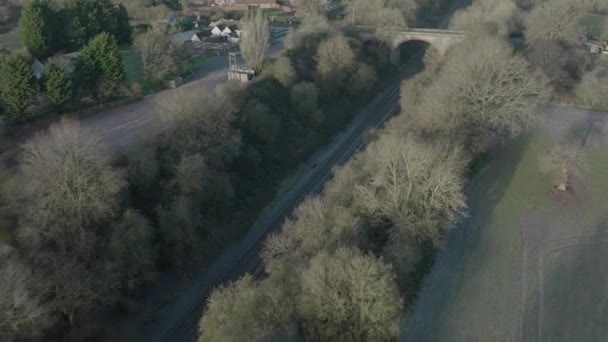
{"points": [[91, 229], [350, 259], [45, 31], [98, 73]]}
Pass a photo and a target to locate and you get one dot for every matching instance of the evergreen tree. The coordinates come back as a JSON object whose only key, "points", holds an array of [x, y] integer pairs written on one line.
{"points": [[88, 18], [36, 29], [99, 60], [16, 84], [123, 26], [57, 86]]}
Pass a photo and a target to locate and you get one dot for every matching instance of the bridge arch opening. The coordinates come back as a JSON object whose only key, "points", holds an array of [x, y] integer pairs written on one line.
{"points": [[410, 51]]}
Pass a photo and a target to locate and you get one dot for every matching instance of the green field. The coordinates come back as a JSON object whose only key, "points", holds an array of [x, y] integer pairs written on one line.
{"points": [[522, 267], [10, 41], [582, 273], [200, 60], [595, 25]]}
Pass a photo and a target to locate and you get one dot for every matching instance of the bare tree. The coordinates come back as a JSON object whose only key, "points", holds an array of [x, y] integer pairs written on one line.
{"points": [[201, 124], [24, 311], [483, 16], [311, 7], [349, 296], [283, 71], [318, 225], [561, 62], [563, 161], [363, 80], [417, 186], [254, 40], [133, 249], [553, 20], [483, 97], [180, 223], [335, 61], [311, 26], [68, 186], [159, 57], [260, 122], [385, 15], [241, 311], [78, 289], [304, 98]]}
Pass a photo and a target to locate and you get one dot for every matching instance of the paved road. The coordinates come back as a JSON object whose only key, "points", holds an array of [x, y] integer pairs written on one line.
{"points": [[139, 121]]}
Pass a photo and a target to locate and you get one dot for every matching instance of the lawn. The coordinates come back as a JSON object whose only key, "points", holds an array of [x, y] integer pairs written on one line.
{"points": [[509, 272], [200, 60], [132, 65], [596, 25], [10, 41], [582, 275]]}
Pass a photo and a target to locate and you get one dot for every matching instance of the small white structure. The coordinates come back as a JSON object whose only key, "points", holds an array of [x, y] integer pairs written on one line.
{"points": [[199, 37], [37, 69], [596, 47], [216, 31]]}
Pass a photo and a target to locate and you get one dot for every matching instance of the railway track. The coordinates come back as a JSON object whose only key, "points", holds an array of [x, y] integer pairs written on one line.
{"points": [[250, 261]]}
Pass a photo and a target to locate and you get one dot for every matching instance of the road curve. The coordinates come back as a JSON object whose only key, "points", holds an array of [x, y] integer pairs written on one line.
{"points": [[140, 121]]}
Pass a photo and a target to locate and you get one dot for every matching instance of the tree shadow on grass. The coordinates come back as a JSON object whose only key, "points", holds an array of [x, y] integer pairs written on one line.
{"points": [[443, 286]]}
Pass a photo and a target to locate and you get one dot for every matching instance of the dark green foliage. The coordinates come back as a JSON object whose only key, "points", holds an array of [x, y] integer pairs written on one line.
{"points": [[99, 60], [37, 29], [123, 26], [58, 88], [132, 248], [88, 18], [173, 5], [180, 223], [260, 123], [184, 25], [17, 86]]}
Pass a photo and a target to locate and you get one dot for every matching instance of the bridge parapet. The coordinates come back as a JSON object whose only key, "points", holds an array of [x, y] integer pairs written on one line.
{"points": [[442, 40]]}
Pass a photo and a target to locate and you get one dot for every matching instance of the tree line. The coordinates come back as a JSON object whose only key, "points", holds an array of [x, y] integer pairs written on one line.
{"points": [[92, 228], [45, 31], [94, 29], [350, 260]]}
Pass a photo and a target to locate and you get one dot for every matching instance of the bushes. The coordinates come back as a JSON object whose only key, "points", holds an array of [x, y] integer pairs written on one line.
{"points": [[593, 89]]}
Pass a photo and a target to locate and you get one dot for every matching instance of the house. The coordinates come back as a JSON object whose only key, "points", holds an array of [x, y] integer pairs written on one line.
{"points": [[226, 30], [594, 46], [182, 37], [252, 4], [66, 61], [201, 36]]}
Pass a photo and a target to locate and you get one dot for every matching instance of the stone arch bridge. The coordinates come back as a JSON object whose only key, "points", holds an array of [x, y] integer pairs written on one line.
{"points": [[441, 40]]}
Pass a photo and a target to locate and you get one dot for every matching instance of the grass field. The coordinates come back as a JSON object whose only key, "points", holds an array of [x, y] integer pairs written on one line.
{"points": [[596, 25], [10, 41], [132, 65], [200, 60], [526, 266]]}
